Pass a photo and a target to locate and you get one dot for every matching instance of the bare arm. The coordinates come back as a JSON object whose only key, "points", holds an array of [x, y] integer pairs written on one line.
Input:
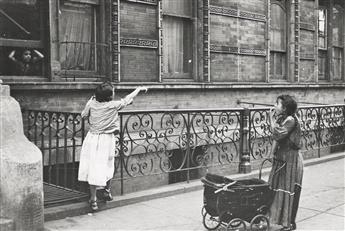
{"points": [[11, 55], [86, 111], [274, 142], [40, 55], [131, 96]]}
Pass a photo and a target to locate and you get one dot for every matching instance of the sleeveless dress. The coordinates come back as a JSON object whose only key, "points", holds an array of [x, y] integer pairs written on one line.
{"points": [[288, 136], [98, 150]]}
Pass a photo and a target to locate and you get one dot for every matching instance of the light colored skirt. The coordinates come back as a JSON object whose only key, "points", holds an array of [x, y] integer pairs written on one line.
{"points": [[97, 159]]}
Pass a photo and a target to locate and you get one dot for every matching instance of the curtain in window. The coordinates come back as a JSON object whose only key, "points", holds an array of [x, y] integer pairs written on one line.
{"points": [[178, 7], [338, 41], [322, 28], [278, 28], [176, 46], [278, 42], [322, 64], [76, 34], [177, 35]]}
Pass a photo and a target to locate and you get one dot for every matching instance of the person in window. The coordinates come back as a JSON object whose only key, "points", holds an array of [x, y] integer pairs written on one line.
{"points": [[98, 150], [27, 63], [287, 169]]}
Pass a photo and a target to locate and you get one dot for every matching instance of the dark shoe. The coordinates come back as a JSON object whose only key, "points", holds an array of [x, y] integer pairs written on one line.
{"points": [[93, 205], [285, 228], [107, 195], [293, 226]]}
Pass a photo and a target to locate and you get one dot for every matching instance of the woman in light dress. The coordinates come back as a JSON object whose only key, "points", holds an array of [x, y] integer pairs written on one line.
{"points": [[98, 150]]}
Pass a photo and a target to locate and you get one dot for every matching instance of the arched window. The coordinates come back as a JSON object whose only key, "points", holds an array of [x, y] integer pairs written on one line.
{"points": [[278, 40]]}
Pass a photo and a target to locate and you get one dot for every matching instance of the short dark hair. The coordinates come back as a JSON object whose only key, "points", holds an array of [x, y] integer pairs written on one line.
{"points": [[104, 92], [289, 104]]}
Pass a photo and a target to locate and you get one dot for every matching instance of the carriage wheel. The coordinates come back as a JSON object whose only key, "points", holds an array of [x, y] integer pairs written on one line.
{"points": [[260, 222], [210, 222], [203, 210], [235, 224]]}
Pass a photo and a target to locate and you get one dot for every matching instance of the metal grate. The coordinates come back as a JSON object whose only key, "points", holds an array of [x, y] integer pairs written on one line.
{"points": [[55, 195]]}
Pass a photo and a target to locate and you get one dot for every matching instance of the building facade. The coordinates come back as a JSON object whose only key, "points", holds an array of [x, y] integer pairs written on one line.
{"points": [[191, 54]]}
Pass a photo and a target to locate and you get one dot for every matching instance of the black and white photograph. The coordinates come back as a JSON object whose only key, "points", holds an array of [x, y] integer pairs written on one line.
{"points": [[172, 115]]}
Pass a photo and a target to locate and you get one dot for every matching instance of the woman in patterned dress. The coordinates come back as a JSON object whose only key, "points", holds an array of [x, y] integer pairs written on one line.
{"points": [[287, 163]]}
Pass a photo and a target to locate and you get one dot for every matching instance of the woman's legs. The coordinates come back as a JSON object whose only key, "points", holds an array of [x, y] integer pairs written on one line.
{"points": [[295, 205], [107, 192], [93, 197]]}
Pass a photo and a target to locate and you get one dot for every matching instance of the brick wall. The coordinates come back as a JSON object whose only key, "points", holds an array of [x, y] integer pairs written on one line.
{"points": [[241, 33], [74, 101], [139, 64], [224, 67], [138, 20]]}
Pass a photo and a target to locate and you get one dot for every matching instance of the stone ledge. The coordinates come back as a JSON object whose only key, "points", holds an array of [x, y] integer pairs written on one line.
{"points": [[158, 86]]}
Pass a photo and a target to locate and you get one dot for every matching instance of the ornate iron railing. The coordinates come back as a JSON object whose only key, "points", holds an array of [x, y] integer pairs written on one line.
{"points": [[178, 145], [322, 127], [59, 136]]}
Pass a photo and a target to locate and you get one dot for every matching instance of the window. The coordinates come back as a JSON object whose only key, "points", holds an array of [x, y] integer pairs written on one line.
{"points": [[177, 39], [322, 43], [322, 28], [79, 38], [336, 15], [338, 41], [278, 42], [22, 37]]}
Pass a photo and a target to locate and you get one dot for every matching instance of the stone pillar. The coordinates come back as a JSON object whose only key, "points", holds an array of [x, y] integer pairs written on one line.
{"points": [[21, 176]]}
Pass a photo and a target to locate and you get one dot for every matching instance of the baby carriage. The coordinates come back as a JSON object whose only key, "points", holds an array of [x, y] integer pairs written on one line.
{"points": [[232, 203]]}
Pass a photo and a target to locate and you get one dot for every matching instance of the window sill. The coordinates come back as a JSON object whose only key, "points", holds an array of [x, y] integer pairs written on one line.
{"points": [[174, 86]]}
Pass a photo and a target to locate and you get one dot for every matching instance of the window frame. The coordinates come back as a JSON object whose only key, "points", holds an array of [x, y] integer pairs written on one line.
{"points": [[339, 47], [277, 77], [192, 76], [40, 44], [99, 37], [326, 29]]}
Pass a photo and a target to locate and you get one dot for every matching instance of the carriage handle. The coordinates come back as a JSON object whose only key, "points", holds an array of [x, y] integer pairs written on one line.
{"points": [[270, 160], [225, 187]]}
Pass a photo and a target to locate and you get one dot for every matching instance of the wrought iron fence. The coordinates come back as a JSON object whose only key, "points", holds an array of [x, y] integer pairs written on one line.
{"points": [[177, 145], [59, 136]]}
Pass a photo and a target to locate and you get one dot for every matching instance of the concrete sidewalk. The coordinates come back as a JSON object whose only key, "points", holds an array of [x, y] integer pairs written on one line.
{"points": [[321, 208]]}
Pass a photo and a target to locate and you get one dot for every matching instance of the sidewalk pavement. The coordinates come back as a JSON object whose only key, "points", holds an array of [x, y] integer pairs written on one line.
{"points": [[322, 205]]}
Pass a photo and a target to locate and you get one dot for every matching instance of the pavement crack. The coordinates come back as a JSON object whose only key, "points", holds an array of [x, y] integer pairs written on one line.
{"points": [[321, 212]]}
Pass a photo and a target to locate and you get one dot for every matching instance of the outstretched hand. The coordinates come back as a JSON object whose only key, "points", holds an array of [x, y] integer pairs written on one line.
{"points": [[143, 89], [272, 113]]}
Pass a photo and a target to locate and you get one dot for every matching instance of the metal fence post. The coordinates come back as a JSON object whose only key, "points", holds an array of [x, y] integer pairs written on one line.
{"points": [[319, 136], [188, 146], [121, 154], [244, 166]]}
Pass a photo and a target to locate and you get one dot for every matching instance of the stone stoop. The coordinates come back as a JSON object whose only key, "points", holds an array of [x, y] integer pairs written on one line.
{"points": [[6, 224]]}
